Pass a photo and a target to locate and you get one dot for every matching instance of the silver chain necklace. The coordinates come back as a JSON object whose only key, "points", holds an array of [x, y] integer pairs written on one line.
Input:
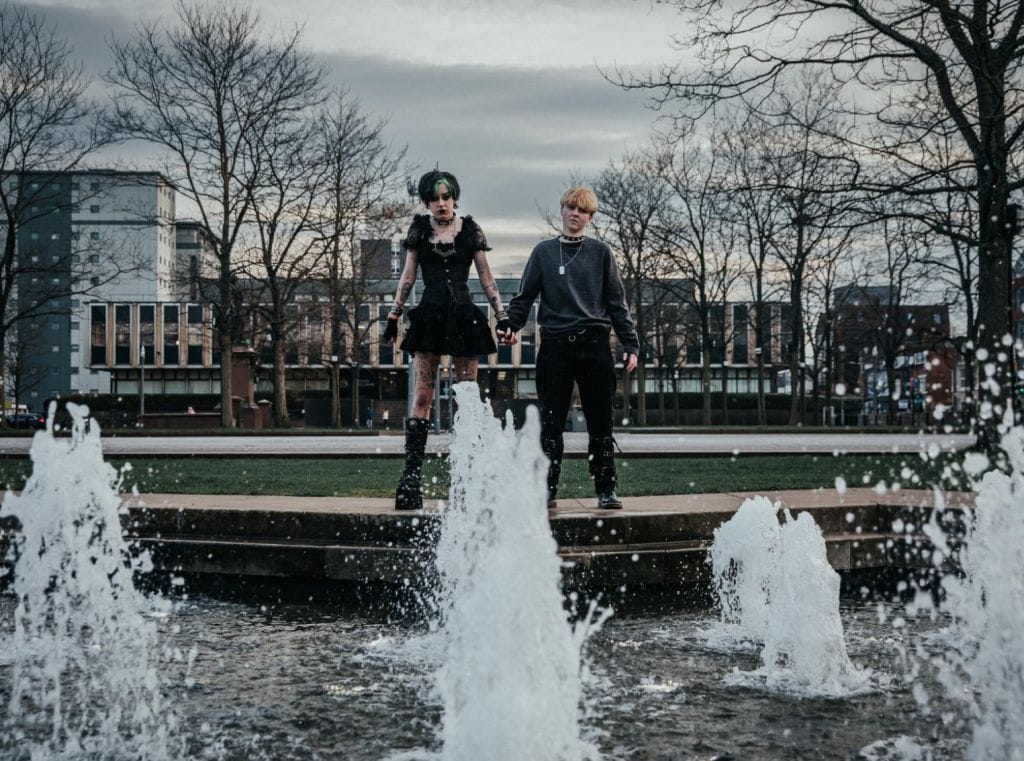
{"points": [[562, 264]]}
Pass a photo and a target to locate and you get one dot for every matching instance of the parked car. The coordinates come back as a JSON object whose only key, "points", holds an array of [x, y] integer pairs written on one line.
{"points": [[30, 420]]}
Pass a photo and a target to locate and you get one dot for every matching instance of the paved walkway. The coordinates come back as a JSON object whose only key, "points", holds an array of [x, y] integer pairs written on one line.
{"points": [[666, 504], [637, 444]]}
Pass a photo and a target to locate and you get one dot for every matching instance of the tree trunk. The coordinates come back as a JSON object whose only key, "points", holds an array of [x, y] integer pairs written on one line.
{"points": [[995, 394], [661, 394], [705, 389], [335, 395], [725, 394], [227, 418], [675, 395], [280, 395], [641, 391], [355, 396]]}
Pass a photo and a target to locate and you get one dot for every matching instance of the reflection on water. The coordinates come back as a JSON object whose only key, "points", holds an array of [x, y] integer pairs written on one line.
{"points": [[321, 683]]}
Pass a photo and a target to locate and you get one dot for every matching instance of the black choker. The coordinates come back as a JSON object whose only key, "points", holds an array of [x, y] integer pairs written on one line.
{"points": [[442, 223], [570, 238]]}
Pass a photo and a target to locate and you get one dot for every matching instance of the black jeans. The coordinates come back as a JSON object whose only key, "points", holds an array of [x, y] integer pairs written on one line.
{"points": [[586, 359]]}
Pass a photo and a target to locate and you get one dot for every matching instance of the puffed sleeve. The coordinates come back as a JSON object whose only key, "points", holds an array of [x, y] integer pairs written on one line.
{"points": [[416, 232], [477, 239]]}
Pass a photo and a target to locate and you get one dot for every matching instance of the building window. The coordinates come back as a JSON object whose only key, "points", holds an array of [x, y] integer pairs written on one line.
{"points": [[740, 353], [171, 335], [56, 349], [94, 209], [74, 371], [122, 334], [195, 334], [147, 333], [98, 335], [74, 326], [74, 347], [75, 258], [55, 236], [94, 281], [94, 236], [34, 236], [94, 258], [94, 186]]}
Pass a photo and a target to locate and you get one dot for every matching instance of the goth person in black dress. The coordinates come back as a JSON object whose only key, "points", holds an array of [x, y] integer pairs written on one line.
{"points": [[442, 245]]}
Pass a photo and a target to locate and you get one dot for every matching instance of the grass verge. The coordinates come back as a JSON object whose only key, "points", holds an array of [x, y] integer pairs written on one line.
{"points": [[376, 477]]}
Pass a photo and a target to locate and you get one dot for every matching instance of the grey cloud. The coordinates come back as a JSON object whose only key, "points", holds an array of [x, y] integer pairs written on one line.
{"points": [[512, 135]]}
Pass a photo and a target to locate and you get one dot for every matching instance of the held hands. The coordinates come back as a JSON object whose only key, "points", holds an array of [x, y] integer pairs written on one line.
{"points": [[503, 329], [505, 334], [630, 361], [391, 331]]}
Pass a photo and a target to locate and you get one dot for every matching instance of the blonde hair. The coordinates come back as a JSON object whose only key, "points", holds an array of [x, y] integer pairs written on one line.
{"points": [[580, 197]]}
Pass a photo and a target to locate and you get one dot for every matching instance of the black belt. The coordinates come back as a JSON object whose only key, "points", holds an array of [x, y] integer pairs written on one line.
{"points": [[592, 333]]}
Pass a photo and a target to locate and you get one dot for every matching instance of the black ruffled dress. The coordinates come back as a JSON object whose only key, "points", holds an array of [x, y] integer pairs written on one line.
{"points": [[445, 320]]}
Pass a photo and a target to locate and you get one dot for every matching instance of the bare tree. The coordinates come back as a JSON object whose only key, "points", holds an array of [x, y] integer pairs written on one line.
{"points": [[699, 234], [203, 91], [965, 57], [812, 174], [286, 251], [361, 182], [47, 128], [760, 214], [634, 200]]}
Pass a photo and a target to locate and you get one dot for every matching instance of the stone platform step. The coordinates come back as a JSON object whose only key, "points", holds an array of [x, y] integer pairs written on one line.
{"points": [[652, 542]]}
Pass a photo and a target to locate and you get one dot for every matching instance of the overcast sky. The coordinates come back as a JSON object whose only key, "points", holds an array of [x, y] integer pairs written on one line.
{"points": [[507, 95]]}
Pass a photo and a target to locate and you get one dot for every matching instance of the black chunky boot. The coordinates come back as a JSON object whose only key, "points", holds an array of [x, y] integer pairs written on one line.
{"points": [[553, 447], [408, 496], [602, 469]]}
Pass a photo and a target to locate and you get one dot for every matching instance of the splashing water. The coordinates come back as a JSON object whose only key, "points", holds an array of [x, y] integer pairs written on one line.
{"points": [[743, 557], [512, 681], [84, 682], [776, 586], [983, 665]]}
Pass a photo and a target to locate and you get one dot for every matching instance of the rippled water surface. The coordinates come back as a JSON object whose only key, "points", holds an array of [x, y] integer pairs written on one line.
{"points": [[294, 682]]}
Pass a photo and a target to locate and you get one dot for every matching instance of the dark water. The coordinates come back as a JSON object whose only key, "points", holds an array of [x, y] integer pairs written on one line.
{"points": [[294, 682]]}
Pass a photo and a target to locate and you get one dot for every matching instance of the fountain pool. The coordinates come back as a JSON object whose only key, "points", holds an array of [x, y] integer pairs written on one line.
{"points": [[301, 682]]}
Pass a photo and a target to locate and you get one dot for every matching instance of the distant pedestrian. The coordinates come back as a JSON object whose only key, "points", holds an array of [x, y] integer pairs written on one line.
{"points": [[581, 300], [445, 319]]}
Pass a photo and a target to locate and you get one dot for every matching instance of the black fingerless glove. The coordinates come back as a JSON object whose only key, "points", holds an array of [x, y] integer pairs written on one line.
{"points": [[391, 331], [502, 324]]}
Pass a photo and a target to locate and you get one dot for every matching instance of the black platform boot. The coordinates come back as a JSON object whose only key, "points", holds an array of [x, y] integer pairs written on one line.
{"points": [[553, 447], [602, 469], [408, 496]]}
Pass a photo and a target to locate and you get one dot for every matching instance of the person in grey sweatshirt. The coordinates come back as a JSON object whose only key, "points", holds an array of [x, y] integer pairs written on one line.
{"points": [[581, 301]]}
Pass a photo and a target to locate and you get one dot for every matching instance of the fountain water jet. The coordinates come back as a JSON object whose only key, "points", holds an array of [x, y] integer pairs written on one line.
{"points": [[83, 651], [983, 664], [776, 586], [511, 683]]}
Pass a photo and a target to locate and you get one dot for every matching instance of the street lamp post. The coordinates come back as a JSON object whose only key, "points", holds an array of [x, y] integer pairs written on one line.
{"points": [[142, 378]]}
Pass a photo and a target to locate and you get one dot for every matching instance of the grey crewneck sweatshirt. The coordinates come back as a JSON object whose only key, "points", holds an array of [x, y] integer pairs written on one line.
{"points": [[588, 294]]}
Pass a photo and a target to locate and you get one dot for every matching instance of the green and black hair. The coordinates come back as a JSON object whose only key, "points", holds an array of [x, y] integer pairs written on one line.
{"points": [[428, 186]]}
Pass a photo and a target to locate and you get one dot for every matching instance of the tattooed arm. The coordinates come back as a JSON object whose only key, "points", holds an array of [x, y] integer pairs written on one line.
{"points": [[405, 283], [502, 327], [406, 280], [490, 287]]}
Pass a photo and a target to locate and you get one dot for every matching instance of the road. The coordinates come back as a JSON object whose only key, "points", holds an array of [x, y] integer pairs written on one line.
{"points": [[631, 443]]}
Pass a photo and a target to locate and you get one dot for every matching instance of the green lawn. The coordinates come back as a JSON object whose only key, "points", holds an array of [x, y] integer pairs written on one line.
{"points": [[376, 477]]}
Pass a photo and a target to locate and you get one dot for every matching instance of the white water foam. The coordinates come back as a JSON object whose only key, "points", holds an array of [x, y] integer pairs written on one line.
{"points": [[84, 647], [743, 559], [512, 681], [983, 662], [777, 586]]}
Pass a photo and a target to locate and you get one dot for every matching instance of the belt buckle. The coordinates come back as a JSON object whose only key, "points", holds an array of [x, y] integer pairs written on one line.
{"points": [[572, 338]]}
